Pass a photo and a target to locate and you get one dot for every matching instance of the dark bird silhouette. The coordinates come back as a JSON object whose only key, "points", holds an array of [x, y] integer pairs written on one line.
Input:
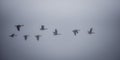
{"points": [[19, 27], [56, 32], [13, 35], [76, 31], [91, 31], [25, 37], [43, 27], [37, 36]]}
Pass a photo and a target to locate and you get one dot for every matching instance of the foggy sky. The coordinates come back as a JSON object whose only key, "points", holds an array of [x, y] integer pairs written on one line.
{"points": [[65, 15]]}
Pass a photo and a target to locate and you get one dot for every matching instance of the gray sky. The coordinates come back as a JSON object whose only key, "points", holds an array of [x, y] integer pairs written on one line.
{"points": [[65, 15]]}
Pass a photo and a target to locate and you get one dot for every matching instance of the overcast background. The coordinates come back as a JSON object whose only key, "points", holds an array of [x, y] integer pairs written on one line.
{"points": [[65, 15]]}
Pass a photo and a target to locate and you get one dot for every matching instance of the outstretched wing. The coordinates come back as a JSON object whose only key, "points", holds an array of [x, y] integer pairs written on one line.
{"points": [[91, 29], [18, 27], [38, 36], [12, 35], [26, 37], [74, 33]]}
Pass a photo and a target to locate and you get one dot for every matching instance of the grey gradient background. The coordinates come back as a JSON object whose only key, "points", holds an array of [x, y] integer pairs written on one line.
{"points": [[65, 15]]}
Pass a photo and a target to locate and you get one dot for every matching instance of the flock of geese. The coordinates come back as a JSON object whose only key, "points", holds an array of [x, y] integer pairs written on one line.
{"points": [[55, 33]]}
